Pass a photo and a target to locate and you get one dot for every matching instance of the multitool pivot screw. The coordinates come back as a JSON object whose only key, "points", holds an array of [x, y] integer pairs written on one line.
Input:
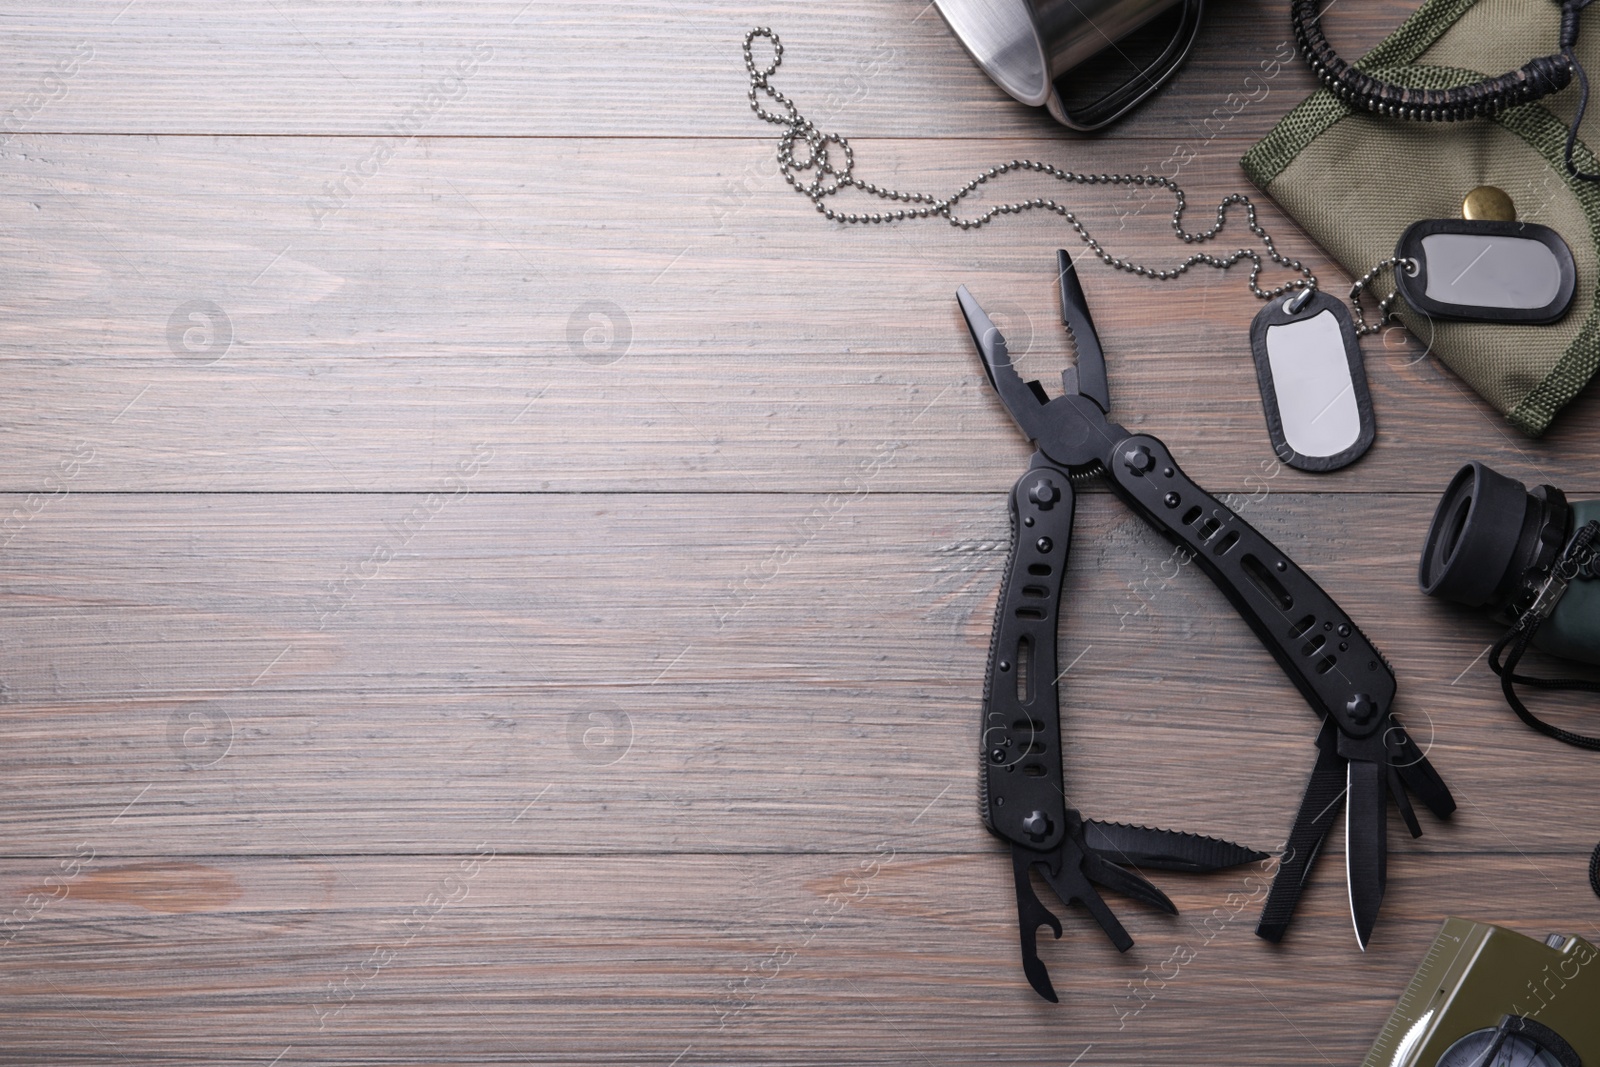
{"points": [[1036, 825], [1139, 460]]}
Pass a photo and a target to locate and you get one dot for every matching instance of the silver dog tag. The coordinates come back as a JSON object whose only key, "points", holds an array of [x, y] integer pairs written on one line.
{"points": [[1485, 271], [1313, 381]]}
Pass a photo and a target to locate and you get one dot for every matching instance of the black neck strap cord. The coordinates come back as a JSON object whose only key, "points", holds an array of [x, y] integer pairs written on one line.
{"points": [[1533, 80], [1580, 559]]}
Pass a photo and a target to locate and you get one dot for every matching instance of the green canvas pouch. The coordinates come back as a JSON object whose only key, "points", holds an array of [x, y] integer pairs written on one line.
{"points": [[1354, 181]]}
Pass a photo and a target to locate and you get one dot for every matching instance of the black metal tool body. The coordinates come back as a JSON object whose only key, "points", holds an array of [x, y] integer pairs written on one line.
{"points": [[1332, 663]]}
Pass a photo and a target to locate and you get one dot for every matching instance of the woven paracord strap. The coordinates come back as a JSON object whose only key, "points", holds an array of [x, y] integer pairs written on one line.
{"points": [[1535, 79]]}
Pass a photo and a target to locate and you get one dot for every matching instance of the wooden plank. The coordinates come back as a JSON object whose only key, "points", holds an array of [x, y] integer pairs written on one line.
{"points": [[241, 674], [865, 957], [600, 67], [724, 342], [693, 769]]}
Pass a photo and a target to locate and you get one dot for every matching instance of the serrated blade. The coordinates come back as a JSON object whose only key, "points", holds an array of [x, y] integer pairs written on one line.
{"points": [[1166, 850]]}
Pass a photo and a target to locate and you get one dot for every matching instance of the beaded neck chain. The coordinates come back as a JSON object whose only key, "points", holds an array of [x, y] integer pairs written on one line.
{"points": [[807, 159]]}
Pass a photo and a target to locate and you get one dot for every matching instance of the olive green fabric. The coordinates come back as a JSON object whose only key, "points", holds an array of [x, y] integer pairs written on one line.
{"points": [[1355, 181]]}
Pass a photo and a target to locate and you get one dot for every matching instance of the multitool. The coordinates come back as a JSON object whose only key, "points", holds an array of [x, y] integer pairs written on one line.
{"points": [[1365, 756]]}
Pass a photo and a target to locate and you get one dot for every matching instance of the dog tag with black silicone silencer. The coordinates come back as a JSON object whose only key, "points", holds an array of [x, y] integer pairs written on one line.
{"points": [[1485, 271], [1313, 381]]}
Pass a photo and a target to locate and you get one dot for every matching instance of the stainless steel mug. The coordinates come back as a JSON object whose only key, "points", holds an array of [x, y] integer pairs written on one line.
{"points": [[1038, 50]]}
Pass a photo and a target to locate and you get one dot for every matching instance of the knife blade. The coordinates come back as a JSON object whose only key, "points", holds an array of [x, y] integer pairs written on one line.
{"points": [[1365, 844]]}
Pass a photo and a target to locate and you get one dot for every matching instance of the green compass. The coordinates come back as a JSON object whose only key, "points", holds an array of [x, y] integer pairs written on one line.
{"points": [[1486, 996]]}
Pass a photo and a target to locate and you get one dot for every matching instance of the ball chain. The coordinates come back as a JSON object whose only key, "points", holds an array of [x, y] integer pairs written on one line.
{"points": [[829, 179], [1386, 305]]}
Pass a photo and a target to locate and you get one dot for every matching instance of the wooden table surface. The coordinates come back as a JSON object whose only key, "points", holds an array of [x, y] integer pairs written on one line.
{"points": [[493, 577]]}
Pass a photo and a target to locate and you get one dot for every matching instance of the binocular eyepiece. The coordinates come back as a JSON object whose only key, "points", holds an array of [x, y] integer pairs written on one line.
{"points": [[1492, 540], [1492, 545]]}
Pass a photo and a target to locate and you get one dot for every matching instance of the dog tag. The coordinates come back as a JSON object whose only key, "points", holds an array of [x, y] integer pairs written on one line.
{"points": [[1313, 381], [1485, 271]]}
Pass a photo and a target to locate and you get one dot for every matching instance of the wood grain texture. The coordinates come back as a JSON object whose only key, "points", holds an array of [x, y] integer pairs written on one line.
{"points": [[729, 343], [588, 68], [718, 645], [524, 598], [809, 960]]}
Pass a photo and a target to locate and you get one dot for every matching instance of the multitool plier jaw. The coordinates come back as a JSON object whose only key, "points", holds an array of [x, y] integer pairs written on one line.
{"points": [[1071, 430]]}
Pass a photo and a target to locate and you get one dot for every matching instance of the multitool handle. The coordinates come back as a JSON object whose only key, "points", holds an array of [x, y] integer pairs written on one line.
{"points": [[1020, 740], [1328, 658]]}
